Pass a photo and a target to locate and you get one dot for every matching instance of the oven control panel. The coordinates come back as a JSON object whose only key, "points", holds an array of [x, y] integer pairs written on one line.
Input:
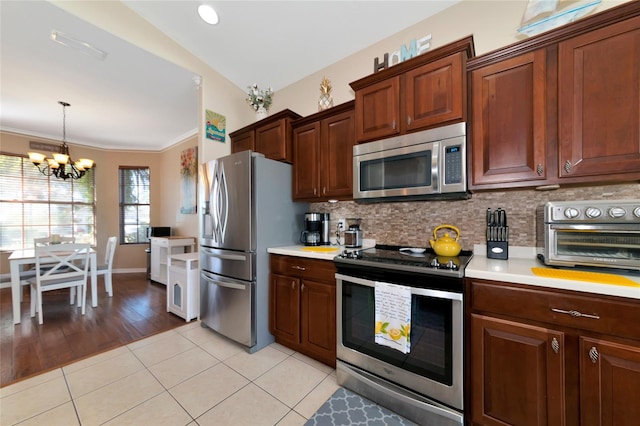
{"points": [[601, 211]]}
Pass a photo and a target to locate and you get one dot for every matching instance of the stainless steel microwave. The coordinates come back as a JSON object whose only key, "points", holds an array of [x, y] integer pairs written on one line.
{"points": [[430, 164]]}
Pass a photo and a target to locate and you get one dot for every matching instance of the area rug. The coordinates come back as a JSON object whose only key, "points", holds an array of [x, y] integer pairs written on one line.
{"points": [[348, 408]]}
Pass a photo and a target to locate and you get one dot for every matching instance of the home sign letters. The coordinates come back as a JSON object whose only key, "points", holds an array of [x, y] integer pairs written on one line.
{"points": [[416, 47]]}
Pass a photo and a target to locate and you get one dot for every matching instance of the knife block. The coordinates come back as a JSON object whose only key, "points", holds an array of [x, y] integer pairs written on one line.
{"points": [[498, 250]]}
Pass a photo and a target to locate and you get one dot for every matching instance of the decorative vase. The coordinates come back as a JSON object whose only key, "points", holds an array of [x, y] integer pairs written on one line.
{"points": [[261, 113]]}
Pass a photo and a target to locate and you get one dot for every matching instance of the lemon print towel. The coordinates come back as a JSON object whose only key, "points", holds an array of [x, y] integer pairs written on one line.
{"points": [[393, 316]]}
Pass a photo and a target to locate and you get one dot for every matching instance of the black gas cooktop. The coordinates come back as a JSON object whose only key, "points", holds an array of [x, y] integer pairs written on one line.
{"points": [[391, 257]]}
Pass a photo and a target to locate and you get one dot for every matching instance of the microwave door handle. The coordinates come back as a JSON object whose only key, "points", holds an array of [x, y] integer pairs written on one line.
{"points": [[222, 283], [435, 167]]}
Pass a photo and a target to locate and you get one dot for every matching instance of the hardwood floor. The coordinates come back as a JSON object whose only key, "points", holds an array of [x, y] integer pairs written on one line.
{"points": [[136, 310]]}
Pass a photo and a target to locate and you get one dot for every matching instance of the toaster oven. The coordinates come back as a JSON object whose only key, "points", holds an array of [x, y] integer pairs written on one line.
{"points": [[600, 233]]}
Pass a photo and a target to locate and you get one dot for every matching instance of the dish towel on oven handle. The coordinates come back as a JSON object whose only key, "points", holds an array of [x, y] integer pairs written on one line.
{"points": [[393, 316]]}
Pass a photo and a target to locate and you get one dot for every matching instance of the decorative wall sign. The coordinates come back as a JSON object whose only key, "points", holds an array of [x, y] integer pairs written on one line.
{"points": [[216, 126], [188, 180], [416, 47]]}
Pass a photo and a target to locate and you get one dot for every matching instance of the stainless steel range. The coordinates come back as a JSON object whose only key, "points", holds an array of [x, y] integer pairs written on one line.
{"points": [[425, 384]]}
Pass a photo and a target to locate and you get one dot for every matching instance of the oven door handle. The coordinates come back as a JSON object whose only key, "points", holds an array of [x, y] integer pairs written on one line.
{"points": [[418, 291]]}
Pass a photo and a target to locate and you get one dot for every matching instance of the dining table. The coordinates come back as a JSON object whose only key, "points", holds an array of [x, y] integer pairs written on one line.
{"points": [[28, 256]]}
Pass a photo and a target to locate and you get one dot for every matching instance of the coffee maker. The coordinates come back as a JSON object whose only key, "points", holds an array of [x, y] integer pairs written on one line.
{"points": [[353, 235], [316, 229]]}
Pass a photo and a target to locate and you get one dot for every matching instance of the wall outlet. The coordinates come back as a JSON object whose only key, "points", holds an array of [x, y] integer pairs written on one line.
{"points": [[342, 224]]}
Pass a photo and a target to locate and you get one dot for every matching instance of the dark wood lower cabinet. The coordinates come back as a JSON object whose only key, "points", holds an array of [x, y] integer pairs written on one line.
{"points": [[517, 373], [533, 360], [609, 383], [303, 306]]}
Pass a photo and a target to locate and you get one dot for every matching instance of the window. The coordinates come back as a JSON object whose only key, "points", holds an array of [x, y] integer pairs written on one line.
{"points": [[34, 205], [134, 204]]}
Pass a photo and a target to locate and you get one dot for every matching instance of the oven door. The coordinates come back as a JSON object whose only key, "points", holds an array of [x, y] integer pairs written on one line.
{"points": [[613, 246], [434, 365]]}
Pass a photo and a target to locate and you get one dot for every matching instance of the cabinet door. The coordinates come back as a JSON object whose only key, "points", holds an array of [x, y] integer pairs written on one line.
{"points": [[306, 161], [243, 142], [609, 383], [517, 373], [338, 138], [599, 102], [318, 320], [435, 93], [508, 110], [272, 141], [378, 110], [155, 262], [284, 316]]}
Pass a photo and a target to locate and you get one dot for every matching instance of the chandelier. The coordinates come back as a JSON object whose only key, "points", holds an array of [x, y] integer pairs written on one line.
{"points": [[61, 165]]}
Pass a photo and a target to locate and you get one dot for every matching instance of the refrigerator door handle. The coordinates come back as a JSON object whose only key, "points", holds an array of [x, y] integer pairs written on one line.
{"points": [[220, 199], [212, 253], [222, 283]]}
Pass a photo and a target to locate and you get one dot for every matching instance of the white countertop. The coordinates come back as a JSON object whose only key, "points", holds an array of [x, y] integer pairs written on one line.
{"points": [[319, 253], [517, 269]]}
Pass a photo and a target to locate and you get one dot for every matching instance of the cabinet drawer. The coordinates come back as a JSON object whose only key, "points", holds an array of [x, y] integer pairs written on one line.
{"points": [[609, 315], [160, 242], [319, 270]]}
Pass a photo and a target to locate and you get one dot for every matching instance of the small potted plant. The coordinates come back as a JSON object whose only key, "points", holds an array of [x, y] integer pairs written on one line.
{"points": [[260, 100]]}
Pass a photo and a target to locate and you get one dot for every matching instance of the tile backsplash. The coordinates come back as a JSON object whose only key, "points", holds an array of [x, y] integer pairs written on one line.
{"points": [[412, 223]]}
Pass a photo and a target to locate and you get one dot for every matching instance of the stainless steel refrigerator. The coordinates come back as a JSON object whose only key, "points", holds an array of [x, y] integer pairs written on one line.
{"points": [[247, 209]]}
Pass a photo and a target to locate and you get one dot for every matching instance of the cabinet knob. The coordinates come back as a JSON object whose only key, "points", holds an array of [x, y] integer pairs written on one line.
{"points": [[540, 169], [293, 284], [393, 125], [567, 166], [302, 287], [593, 354], [324, 190], [315, 191], [555, 345], [408, 120]]}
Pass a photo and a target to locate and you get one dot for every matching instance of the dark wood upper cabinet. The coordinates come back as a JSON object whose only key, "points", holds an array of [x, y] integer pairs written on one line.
{"points": [[270, 136], [423, 92], [561, 107], [599, 101], [323, 153], [509, 128]]}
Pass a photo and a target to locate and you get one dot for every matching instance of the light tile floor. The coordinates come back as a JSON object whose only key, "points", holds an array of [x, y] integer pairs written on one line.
{"points": [[186, 376]]}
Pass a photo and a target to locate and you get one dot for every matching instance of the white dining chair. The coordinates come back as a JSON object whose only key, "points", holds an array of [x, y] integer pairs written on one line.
{"points": [[106, 268], [27, 274], [69, 270]]}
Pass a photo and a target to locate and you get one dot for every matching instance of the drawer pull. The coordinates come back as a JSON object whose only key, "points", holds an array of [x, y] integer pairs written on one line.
{"points": [[593, 354], [575, 313], [555, 345], [299, 268]]}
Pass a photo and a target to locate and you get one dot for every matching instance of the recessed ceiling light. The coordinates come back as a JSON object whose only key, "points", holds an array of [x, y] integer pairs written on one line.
{"points": [[207, 14]]}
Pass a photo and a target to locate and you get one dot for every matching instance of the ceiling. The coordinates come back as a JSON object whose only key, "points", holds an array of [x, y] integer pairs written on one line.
{"points": [[135, 100]]}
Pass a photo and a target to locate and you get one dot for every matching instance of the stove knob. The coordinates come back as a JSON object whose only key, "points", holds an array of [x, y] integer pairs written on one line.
{"points": [[434, 263], [451, 265], [636, 212], [617, 212], [571, 213], [593, 212]]}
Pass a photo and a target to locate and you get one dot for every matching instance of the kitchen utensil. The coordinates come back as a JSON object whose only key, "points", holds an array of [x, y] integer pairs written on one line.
{"points": [[497, 234], [446, 246], [413, 249]]}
